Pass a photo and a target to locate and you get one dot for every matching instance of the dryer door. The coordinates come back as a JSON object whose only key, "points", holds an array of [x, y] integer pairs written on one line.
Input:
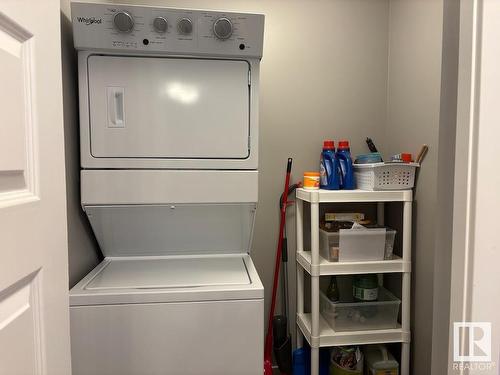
{"points": [[174, 229], [171, 108]]}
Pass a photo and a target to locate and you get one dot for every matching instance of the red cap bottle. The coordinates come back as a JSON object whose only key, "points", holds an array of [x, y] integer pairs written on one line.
{"points": [[343, 145], [406, 157], [328, 145]]}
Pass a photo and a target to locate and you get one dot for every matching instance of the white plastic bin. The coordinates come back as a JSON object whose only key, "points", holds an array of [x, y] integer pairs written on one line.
{"points": [[380, 361], [357, 245], [385, 176], [357, 316]]}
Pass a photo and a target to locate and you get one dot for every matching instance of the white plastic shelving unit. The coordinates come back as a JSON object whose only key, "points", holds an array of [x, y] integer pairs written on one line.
{"points": [[312, 325]]}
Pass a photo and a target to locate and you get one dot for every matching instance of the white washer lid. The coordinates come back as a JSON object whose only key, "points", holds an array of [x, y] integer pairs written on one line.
{"points": [[170, 273]]}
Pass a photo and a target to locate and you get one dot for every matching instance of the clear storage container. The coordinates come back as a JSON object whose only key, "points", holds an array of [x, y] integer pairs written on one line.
{"points": [[357, 245], [358, 316]]}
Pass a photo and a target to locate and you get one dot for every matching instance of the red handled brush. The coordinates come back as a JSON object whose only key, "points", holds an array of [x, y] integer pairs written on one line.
{"points": [[268, 349]]}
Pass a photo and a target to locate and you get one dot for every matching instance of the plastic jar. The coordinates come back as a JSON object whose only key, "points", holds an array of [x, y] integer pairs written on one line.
{"points": [[365, 288], [311, 180]]}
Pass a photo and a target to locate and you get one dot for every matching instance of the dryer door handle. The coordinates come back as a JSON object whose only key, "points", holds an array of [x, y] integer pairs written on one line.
{"points": [[115, 96]]}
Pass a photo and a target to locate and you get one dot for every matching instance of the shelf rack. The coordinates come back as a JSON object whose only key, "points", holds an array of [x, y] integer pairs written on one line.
{"points": [[312, 326]]}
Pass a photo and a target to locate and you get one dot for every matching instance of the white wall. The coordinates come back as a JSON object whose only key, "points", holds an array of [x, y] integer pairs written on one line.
{"points": [[83, 252], [413, 110]]}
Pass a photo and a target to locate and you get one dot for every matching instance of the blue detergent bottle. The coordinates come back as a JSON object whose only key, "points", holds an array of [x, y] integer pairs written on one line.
{"points": [[343, 156], [329, 169]]}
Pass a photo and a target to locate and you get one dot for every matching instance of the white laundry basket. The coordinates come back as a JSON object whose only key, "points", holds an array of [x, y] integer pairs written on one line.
{"points": [[385, 176]]}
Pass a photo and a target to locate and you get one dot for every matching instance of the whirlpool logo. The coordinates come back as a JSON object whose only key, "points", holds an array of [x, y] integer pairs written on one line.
{"points": [[89, 20]]}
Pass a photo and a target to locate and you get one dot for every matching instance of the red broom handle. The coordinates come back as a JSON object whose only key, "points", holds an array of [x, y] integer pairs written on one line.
{"points": [[269, 337]]}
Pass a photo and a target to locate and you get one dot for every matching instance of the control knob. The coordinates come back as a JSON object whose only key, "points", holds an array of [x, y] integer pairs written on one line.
{"points": [[185, 26], [223, 28], [123, 21], [160, 24]]}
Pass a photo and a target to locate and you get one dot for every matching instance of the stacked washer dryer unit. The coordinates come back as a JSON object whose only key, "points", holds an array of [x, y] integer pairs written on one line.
{"points": [[169, 136]]}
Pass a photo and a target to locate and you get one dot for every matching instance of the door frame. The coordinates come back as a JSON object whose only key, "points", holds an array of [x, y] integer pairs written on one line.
{"points": [[469, 277]]}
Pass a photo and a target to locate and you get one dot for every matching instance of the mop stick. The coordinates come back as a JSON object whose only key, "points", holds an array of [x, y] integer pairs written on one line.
{"points": [[268, 369]]}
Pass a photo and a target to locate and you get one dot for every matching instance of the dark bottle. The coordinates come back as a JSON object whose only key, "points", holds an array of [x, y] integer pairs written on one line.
{"points": [[333, 290], [365, 288]]}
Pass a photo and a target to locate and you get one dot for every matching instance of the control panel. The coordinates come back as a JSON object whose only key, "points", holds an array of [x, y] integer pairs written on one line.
{"points": [[144, 29]]}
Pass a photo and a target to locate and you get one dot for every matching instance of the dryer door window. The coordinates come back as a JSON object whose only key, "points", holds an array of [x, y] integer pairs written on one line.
{"points": [[149, 107]]}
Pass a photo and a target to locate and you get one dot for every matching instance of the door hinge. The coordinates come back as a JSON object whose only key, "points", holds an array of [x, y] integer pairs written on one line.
{"points": [[249, 77]]}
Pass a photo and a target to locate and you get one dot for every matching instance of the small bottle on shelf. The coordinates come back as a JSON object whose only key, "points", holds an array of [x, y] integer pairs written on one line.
{"points": [[365, 288]]}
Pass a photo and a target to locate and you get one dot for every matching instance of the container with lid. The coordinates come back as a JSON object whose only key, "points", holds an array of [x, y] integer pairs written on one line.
{"points": [[356, 245], [372, 157], [311, 180], [379, 361]]}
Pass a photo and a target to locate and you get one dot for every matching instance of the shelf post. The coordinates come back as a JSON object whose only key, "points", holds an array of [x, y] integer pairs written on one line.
{"points": [[406, 287], [314, 283], [299, 230], [380, 221]]}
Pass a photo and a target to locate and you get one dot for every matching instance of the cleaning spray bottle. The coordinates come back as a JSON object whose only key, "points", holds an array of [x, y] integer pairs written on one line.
{"points": [[329, 167], [343, 156]]}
